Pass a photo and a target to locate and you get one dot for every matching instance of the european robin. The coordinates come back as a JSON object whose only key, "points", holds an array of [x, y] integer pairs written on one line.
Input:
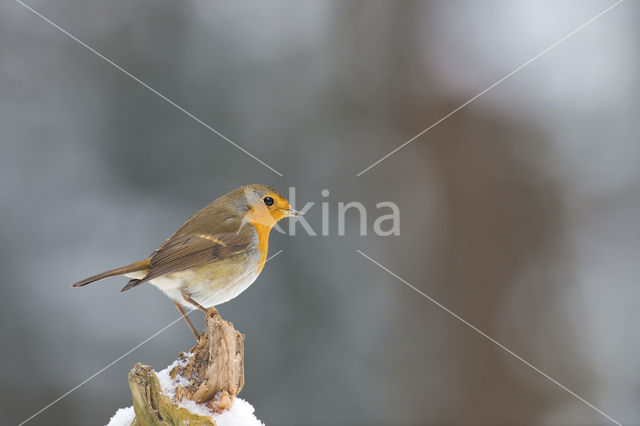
{"points": [[216, 255]]}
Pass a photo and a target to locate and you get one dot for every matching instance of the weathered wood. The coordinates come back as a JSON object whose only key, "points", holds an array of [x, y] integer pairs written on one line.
{"points": [[152, 407], [217, 364], [212, 374]]}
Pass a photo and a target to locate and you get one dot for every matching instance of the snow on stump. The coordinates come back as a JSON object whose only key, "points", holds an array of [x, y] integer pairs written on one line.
{"points": [[198, 386]]}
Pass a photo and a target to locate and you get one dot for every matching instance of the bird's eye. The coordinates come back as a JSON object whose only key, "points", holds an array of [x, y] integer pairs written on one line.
{"points": [[268, 201]]}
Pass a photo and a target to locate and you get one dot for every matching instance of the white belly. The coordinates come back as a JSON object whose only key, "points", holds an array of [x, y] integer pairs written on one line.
{"points": [[208, 292]]}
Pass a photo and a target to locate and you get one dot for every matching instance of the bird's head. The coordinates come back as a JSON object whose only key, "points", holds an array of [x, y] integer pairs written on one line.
{"points": [[266, 205]]}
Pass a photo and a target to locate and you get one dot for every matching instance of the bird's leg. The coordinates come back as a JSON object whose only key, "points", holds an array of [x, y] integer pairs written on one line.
{"points": [[188, 298], [186, 318]]}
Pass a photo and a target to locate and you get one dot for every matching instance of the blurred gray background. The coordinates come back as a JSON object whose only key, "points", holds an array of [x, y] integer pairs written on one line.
{"points": [[519, 213]]}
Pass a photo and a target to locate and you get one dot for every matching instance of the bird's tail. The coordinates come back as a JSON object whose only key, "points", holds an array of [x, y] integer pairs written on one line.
{"points": [[142, 265]]}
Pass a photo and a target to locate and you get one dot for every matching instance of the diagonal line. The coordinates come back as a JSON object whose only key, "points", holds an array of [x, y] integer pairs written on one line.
{"points": [[491, 339], [491, 87], [142, 83], [91, 377], [273, 255], [104, 368]]}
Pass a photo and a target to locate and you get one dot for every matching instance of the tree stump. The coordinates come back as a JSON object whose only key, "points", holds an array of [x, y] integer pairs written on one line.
{"points": [[199, 383]]}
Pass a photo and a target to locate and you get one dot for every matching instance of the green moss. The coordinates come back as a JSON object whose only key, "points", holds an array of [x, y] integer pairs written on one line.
{"points": [[152, 407]]}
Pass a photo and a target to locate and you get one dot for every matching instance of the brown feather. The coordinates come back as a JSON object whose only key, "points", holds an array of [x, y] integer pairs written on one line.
{"points": [[134, 267], [189, 251]]}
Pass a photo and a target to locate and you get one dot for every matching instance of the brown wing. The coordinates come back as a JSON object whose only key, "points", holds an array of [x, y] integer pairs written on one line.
{"points": [[188, 251]]}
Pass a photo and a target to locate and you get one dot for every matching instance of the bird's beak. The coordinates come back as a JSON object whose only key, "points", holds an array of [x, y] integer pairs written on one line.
{"points": [[292, 212]]}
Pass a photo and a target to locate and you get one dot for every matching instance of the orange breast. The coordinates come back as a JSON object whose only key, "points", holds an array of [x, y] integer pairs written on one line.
{"points": [[263, 242]]}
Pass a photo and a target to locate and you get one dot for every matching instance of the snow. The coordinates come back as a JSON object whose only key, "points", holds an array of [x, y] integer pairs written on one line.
{"points": [[240, 414], [168, 384], [122, 417]]}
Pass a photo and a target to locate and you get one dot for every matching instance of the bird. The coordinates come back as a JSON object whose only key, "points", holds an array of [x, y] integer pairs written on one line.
{"points": [[215, 255]]}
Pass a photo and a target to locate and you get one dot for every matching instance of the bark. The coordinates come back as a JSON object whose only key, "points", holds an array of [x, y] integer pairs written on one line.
{"points": [[211, 374]]}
